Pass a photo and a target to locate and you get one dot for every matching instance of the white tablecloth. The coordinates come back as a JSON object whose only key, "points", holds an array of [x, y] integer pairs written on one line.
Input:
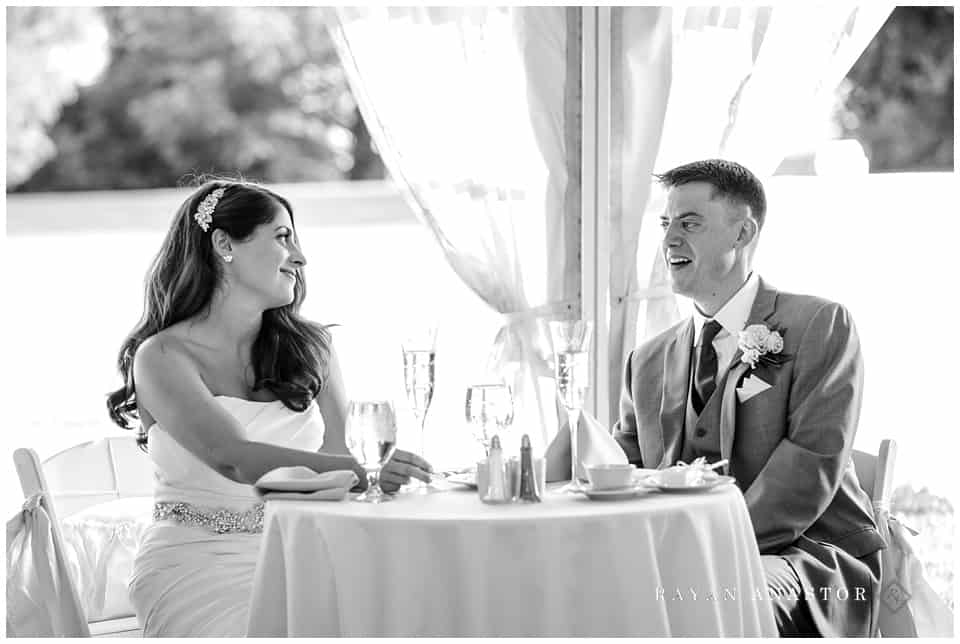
{"points": [[445, 564]]}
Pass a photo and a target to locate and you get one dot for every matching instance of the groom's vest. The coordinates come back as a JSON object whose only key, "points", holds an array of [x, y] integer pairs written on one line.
{"points": [[699, 439]]}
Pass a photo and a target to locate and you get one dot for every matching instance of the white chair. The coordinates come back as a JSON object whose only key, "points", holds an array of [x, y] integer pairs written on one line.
{"points": [[875, 472], [80, 478], [909, 607]]}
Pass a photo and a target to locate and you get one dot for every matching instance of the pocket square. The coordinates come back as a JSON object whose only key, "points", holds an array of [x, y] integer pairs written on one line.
{"points": [[750, 388]]}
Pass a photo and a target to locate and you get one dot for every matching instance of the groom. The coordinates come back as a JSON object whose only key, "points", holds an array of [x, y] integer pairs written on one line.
{"points": [[786, 422]]}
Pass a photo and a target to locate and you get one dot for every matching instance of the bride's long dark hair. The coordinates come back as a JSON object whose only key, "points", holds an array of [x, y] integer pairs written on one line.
{"points": [[290, 356]]}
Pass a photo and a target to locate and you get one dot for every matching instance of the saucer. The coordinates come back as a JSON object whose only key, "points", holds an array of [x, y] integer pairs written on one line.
{"points": [[615, 494], [652, 482]]}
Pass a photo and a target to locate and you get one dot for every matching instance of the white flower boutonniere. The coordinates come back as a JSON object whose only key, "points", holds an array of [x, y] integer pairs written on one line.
{"points": [[762, 345]]}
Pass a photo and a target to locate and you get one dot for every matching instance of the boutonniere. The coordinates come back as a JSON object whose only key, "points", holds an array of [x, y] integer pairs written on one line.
{"points": [[762, 345]]}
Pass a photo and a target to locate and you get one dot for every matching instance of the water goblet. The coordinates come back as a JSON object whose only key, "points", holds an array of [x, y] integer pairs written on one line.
{"points": [[571, 349], [371, 436]]}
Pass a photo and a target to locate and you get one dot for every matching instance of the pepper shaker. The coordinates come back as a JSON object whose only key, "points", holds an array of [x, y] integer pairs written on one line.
{"points": [[528, 480]]}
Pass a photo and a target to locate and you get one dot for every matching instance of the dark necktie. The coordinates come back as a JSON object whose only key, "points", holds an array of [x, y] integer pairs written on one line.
{"points": [[706, 374]]}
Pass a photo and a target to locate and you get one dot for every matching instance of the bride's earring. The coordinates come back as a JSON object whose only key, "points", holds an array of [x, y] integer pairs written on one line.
{"points": [[228, 258]]}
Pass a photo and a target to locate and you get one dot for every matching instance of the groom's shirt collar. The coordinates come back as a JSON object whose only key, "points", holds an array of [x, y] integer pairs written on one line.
{"points": [[733, 315]]}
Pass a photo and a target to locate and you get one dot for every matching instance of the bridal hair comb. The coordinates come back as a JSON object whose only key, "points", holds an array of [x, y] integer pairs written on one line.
{"points": [[204, 214]]}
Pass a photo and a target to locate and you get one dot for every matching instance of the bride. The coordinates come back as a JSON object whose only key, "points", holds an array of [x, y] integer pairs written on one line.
{"points": [[227, 382]]}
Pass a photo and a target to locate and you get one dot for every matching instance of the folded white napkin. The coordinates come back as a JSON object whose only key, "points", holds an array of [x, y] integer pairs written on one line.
{"points": [[750, 388], [302, 483], [595, 446]]}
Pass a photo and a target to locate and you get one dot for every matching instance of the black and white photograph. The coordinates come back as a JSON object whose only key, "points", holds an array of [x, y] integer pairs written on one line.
{"points": [[622, 321]]}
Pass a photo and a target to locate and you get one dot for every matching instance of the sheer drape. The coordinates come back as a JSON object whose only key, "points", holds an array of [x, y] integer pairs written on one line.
{"points": [[747, 84], [640, 80], [471, 109]]}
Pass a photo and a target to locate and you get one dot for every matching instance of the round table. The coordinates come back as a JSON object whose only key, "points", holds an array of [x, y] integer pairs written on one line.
{"points": [[446, 564]]}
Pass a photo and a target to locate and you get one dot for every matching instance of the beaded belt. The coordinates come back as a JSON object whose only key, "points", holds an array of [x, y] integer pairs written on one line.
{"points": [[219, 520]]}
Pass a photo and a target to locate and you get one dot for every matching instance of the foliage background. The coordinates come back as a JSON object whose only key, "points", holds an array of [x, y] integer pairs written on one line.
{"points": [[259, 92], [897, 100], [253, 91]]}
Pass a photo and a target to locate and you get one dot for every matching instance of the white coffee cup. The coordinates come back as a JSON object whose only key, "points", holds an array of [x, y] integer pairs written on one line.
{"points": [[610, 476]]}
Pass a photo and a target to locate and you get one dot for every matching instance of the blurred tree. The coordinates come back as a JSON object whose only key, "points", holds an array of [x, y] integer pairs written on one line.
{"points": [[250, 91], [908, 500], [897, 99], [367, 162], [50, 51]]}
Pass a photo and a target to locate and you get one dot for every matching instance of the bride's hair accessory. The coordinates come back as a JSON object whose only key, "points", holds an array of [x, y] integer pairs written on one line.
{"points": [[204, 214]]}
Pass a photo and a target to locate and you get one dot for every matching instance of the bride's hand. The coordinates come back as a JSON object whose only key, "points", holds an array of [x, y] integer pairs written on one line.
{"points": [[401, 467]]}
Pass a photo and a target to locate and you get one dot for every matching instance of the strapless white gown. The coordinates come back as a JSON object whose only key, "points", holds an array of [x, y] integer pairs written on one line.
{"points": [[191, 582]]}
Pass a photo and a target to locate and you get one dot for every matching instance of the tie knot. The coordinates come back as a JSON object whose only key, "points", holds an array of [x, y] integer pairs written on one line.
{"points": [[710, 331]]}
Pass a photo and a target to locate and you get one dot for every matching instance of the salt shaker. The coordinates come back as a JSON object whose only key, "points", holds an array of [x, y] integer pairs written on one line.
{"points": [[497, 488], [528, 478]]}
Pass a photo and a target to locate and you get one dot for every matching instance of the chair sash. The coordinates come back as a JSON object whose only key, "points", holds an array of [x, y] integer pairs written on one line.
{"points": [[909, 607], [41, 600]]}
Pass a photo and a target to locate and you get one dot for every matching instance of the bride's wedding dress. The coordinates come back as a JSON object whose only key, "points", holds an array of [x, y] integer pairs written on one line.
{"points": [[188, 579]]}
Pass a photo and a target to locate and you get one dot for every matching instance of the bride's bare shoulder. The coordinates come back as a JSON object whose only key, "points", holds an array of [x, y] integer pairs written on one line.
{"points": [[163, 347]]}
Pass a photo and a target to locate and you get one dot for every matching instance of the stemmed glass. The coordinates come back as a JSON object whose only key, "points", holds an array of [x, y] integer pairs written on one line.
{"points": [[571, 349], [371, 434], [489, 410], [419, 354]]}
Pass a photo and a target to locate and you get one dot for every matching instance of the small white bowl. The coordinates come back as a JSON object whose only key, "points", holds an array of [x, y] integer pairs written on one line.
{"points": [[611, 476]]}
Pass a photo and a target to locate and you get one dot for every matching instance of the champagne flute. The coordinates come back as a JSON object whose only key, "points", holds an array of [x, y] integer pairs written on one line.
{"points": [[489, 410], [571, 342], [419, 354], [371, 434]]}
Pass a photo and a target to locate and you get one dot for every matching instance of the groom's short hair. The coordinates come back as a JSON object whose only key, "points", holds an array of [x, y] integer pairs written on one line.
{"points": [[728, 178]]}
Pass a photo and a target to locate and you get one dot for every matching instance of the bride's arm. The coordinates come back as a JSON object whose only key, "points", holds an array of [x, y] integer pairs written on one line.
{"points": [[170, 388], [332, 402]]}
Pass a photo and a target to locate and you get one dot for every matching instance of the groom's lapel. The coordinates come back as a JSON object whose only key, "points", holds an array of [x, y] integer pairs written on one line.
{"points": [[764, 306], [676, 382]]}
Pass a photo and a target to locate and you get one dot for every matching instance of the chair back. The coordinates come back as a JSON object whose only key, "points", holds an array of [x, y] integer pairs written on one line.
{"points": [[875, 472], [88, 474], [76, 479]]}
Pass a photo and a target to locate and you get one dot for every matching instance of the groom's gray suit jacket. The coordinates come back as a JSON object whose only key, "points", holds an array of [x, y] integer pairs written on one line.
{"points": [[790, 451]]}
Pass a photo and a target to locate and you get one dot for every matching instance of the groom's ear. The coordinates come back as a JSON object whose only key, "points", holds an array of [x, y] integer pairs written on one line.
{"points": [[748, 231]]}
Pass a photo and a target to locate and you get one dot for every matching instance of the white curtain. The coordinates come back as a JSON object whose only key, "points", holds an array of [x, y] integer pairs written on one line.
{"points": [[473, 110], [640, 79], [747, 84]]}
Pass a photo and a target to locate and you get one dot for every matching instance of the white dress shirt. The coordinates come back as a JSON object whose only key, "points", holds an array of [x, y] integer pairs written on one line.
{"points": [[733, 317]]}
